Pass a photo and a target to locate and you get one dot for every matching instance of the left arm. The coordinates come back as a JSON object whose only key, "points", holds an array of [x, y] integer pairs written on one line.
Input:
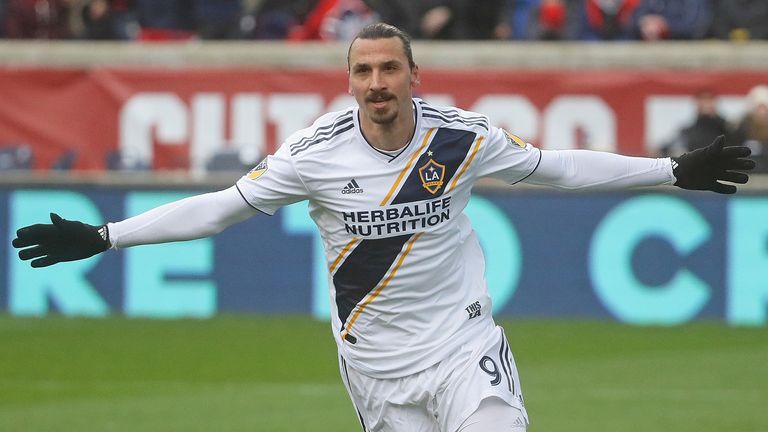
{"points": [[702, 169], [584, 169]]}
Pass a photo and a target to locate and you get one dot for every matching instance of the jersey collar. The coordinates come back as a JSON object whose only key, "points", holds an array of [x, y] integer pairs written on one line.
{"points": [[384, 156]]}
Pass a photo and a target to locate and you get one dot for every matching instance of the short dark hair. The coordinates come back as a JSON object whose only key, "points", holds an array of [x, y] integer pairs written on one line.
{"points": [[384, 31]]}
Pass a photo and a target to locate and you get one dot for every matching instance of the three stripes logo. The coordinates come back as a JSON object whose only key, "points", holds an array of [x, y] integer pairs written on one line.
{"points": [[352, 188]]}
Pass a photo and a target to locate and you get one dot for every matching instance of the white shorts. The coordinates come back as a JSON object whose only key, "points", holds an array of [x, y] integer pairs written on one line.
{"points": [[442, 397]]}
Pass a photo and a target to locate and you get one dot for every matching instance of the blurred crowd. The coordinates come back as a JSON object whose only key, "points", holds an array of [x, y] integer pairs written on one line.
{"points": [[649, 20], [750, 130]]}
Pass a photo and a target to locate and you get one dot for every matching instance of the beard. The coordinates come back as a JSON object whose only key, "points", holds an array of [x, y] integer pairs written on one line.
{"points": [[386, 115]]}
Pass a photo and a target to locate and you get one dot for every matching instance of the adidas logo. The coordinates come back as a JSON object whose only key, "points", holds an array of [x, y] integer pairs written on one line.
{"points": [[104, 232], [352, 188]]}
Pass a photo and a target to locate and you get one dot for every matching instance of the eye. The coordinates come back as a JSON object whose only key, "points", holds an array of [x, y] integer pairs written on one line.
{"points": [[359, 70]]}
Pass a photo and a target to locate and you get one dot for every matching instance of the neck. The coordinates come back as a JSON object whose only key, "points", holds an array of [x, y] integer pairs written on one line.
{"points": [[390, 136]]}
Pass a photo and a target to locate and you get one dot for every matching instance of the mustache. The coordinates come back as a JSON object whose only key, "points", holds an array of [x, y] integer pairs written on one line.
{"points": [[379, 97]]}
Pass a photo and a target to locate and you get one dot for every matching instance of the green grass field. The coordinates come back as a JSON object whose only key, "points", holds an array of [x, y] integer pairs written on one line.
{"points": [[243, 373]]}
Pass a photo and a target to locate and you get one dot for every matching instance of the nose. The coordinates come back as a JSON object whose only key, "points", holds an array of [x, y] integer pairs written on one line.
{"points": [[377, 81]]}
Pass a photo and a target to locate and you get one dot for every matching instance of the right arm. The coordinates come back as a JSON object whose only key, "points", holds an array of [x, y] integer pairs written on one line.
{"points": [[187, 219], [273, 183], [190, 218], [270, 185]]}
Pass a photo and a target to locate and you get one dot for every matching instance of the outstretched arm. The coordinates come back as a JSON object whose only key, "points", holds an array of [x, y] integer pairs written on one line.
{"points": [[584, 169], [702, 169], [187, 219], [190, 218]]}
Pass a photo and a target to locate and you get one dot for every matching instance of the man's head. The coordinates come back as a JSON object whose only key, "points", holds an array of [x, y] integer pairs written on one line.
{"points": [[706, 103], [382, 72], [384, 31], [758, 103]]}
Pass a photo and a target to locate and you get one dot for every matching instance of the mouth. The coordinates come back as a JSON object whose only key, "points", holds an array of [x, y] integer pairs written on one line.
{"points": [[380, 101], [379, 104]]}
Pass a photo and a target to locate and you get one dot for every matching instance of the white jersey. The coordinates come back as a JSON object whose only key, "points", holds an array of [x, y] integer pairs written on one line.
{"points": [[406, 269]]}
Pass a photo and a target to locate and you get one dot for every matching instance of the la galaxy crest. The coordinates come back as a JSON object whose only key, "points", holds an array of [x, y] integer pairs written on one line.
{"points": [[258, 170], [432, 175]]}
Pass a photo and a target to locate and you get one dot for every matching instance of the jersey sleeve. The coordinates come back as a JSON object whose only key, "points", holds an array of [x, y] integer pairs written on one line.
{"points": [[273, 183], [507, 157]]}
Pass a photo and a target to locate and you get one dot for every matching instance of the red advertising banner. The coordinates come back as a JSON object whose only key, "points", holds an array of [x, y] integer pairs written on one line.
{"points": [[113, 118]]}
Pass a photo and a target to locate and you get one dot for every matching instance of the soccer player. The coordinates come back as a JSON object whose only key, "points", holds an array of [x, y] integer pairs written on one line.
{"points": [[387, 181]]}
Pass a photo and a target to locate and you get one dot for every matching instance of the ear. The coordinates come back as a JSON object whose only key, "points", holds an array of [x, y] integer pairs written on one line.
{"points": [[415, 77]]}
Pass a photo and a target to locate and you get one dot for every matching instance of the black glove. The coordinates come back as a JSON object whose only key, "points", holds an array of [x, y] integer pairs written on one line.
{"points": [[705, 168], [64, 240]]}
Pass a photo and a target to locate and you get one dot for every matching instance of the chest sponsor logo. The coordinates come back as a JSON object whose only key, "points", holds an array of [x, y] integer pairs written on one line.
{"points": [[258, 170], [432, 175], [398, 219]]}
